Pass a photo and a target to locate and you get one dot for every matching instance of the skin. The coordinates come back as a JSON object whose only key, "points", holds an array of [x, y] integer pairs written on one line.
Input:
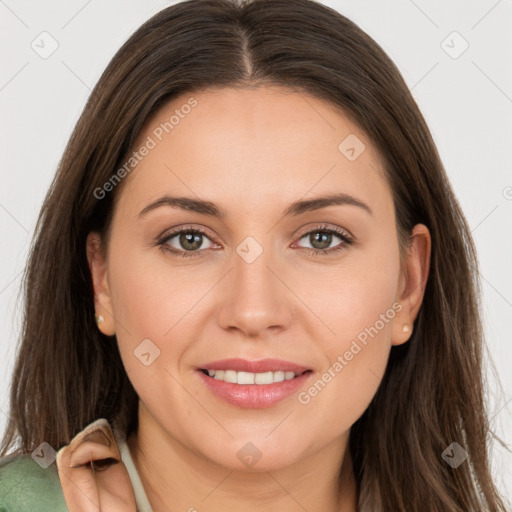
{"points": [[253, 152]]}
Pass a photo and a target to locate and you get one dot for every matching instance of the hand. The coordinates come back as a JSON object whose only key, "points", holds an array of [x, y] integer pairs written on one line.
{"points": [[92, 474]]}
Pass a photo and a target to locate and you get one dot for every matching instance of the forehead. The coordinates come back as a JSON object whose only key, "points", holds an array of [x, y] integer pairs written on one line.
{"points": [[254, 146]]}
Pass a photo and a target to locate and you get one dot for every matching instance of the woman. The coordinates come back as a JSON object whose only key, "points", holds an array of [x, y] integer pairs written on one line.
{"points": [[251, 286]]}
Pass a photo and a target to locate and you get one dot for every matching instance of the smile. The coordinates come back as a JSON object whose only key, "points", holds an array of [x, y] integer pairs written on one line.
{"points": [[253, 384]]}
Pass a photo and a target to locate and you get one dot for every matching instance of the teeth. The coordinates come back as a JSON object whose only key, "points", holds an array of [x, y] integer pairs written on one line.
{"points": [[251, 378], [246, 378], [278, 376], [230, 376], [264, 378]]}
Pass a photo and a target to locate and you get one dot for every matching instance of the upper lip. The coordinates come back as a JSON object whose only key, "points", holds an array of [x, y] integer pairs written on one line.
{"points": [[260, 366]]}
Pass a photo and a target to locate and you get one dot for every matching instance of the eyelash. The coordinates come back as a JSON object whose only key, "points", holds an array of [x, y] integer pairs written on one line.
{"points": [[347, 240]]}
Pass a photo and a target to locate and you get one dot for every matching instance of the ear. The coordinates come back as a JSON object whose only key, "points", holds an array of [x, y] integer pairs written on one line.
{"points": [[99, 275], [412, 283]]}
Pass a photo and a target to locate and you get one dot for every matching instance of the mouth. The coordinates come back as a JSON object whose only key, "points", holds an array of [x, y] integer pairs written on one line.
{"points": [[253, 384]]}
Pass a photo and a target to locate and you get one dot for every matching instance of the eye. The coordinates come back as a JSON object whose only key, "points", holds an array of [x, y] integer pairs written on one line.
{"points": [[322, 237], [185, 241]]}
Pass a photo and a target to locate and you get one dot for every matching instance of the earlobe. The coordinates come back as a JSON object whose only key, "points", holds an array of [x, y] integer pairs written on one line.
{"points": [[99, 276], [412, 283]]}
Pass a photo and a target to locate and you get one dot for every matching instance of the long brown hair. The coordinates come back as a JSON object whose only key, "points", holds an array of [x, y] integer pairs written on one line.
{"points": [[68, 374]]}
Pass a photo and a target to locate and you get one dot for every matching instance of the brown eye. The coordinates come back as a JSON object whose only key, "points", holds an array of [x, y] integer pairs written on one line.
{"points": [[186, 242], [191, 241], [320, 240], [322, 237]]}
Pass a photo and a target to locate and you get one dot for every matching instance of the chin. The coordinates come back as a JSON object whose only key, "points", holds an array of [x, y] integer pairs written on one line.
{"points": [[257, 455]]}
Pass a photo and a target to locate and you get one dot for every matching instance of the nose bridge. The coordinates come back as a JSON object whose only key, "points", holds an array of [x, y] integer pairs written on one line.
{"points": [[254, 299]]}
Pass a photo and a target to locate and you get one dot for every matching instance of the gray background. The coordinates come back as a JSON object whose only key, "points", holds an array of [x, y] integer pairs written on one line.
{"points": [[467, 102]]}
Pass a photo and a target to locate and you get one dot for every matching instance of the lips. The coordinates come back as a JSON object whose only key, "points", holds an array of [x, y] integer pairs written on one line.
{"points": [[253, 384]]}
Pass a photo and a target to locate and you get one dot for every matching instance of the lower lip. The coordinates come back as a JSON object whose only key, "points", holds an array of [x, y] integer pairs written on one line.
{"points": [[254, 396]]}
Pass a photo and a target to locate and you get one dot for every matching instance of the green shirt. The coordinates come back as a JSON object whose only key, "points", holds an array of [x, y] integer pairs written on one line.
{"points": [[26, 487]]}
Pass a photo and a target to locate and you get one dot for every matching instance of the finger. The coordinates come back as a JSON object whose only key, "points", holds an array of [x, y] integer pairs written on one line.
{"points": [[78, 485], [93, 476]]}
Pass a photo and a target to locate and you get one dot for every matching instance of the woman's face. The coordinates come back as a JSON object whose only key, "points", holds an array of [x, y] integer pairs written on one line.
{"points": [[252, 167]]}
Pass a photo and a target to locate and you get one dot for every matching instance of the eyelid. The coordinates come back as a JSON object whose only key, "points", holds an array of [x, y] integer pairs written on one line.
{"points": [[325, 227], [185, 227]]}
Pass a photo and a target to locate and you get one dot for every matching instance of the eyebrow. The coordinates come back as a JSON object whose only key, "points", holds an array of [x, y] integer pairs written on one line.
{"points": [[294, 209]]}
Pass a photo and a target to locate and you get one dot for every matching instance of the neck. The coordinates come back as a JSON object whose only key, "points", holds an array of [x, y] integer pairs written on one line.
{"points": [[173, 475]]}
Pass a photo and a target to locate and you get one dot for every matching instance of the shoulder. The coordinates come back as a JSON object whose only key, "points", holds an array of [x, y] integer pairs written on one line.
{"points": [[26, 487]]}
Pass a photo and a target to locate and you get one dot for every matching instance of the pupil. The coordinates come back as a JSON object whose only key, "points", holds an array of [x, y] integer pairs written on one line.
{"points": [[324, 240], [190, 238]]}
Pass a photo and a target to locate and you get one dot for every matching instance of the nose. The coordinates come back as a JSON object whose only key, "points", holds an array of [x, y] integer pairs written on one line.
{"points": [[255, 299]]}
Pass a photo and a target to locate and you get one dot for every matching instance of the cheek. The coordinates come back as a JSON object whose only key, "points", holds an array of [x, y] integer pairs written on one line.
{"points": [[149, 297], [357, 298], [140, 312], [338, 396], [150, 307], [360, 309], [354, 366], [156, 307]]}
